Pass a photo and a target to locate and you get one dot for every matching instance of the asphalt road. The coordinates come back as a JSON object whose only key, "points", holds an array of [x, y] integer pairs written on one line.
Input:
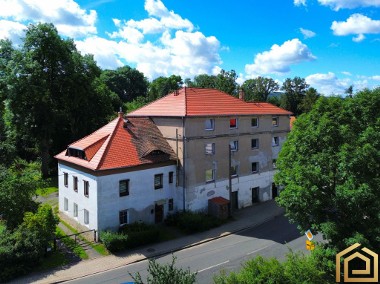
{"points": [[271, 239]]}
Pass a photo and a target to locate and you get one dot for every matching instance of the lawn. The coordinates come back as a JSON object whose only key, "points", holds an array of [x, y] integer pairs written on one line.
{"points": [[52, 186]]}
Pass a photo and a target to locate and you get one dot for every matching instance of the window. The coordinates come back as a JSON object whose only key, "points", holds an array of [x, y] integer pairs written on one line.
{"points": [[86, 216], [86, 187], [255, 167], [234, 171], [274, 163], [233, 122], [171, 175], [210, 175], [171, 204], [275, 121], [75, 210], [209, 124], [255, 122], [124, 187], [65, 204], [66, 179], [158, 181], [123, 217], [275, 141], [254, 143], [75, 183], [73, 152], [210, 148], [234, 145]]}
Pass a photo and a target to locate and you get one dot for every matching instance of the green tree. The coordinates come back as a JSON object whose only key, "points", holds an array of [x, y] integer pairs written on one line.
{"points": [[226, 82], [18, 185], [295, 90], [258, 89], [311, 96], [329, 167], [128, 83], [166, 274], [162, 86], [53, 93], [202, 81], [349, 91]]}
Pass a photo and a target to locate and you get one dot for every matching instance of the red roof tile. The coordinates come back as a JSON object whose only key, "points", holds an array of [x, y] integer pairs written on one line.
{"points": [[115, 146], [204, 102]]}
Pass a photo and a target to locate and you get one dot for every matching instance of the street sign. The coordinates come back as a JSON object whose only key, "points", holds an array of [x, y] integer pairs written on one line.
{"points": [[309, 235], [310, 245]]}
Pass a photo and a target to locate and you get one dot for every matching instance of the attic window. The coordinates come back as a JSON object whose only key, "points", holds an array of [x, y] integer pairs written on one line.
{"points": [[73, 152], [156, 153]]}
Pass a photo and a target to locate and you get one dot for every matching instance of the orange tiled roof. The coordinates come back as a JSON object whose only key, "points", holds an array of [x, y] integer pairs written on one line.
{"points": [[204, 102], [116, 146]]}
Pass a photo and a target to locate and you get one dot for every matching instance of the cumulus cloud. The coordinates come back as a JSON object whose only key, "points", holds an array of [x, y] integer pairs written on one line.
{"points": [[349, 4], [300, 2], [356, 24], [67, 16], [307, 33], [12, 31], [279, 58], [328, 84]]}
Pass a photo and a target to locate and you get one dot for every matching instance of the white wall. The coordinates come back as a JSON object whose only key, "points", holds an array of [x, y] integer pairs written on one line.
{"points": [[89, 203]]}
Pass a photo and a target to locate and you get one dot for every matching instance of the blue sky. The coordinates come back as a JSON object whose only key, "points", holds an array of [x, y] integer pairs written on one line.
{"points": [[331, 43]]}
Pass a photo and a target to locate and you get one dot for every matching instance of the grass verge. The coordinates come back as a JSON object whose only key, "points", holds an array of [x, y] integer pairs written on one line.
{"points": [[71, 244], [53, 260]]}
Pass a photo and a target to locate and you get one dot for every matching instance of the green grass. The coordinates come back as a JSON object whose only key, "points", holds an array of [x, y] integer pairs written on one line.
{"points": [[53, 260], [46, 191], [70, 244], [99, 247]]}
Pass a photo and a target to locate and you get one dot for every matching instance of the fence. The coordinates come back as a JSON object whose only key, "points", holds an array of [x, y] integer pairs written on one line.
{"points": [[75, 237]]}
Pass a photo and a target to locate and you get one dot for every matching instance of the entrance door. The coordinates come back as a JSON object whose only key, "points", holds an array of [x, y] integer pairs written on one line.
{"points": [[274, 191], [235, 201], [158, 213], [255, 194]]}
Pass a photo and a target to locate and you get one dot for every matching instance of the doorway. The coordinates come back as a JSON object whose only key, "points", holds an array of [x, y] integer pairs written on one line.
{"points": [[274, 191], [255, 194], [158, 213], [234, 200]]}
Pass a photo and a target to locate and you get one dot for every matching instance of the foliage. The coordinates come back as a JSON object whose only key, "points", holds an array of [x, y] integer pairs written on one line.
{"points": [[297, 268], [135, 104], [311, 97], [295, 90], [162, 86], [329, 167], [258, 89], [114, 242], [128, 83], [192, 222], [165, 274], [71, 244], [18, 185]]}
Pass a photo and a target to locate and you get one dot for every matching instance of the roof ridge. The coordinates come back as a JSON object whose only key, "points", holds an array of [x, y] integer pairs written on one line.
{"points": [[109, 142]]}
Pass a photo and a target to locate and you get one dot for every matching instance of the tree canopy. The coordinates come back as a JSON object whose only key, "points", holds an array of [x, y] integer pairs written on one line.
{"points": [[258, 89], [294, 92], [164, 85], [330, 169]]}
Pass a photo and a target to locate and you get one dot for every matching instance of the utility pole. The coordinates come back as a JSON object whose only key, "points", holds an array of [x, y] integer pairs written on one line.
{"points": [[229, 180]]}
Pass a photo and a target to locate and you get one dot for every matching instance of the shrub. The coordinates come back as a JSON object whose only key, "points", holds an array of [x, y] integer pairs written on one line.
{"points": [[140, 234], [114, 241], [192, 222]]}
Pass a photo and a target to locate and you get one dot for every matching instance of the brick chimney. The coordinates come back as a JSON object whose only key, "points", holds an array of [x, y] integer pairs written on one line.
{"points": [[241, 94]]}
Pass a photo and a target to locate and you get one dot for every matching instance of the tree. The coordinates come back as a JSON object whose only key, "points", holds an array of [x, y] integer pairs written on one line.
{"points": [[311, 96], [18, 186], [258, 89], [295, 90], [203, 81], [166, 274], [128, 83], [53, 93], [349, 91], [329, 167], [225, 81], [162, 86]]}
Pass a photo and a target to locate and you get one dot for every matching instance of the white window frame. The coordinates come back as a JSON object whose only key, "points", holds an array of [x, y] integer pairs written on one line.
{"points": [[210, 148], [65, 204], [257, 122], [86, 216], [75, 212], [234, 145], [210, 121]]}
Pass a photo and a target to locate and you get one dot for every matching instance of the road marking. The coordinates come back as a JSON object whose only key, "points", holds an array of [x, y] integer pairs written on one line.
{"points": [[227, 261], [257, 250]]}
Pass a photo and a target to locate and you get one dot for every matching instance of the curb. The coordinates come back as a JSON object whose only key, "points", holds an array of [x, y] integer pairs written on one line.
{"points": [[162, 253]]}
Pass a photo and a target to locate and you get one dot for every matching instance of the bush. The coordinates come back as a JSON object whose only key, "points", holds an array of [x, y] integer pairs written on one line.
{"points": [[140, 234], [192, 222], [114, 241]]}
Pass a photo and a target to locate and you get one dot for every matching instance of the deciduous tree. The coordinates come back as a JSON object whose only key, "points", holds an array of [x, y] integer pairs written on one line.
{"points": [[295, 90], [258, 89]]}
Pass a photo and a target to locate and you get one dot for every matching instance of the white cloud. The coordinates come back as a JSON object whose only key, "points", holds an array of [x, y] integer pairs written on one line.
{"points": [[12, 31], [307, 33], [300, 2], [349, 4], [279, 58], [69, 19], [346, 73], [328, 84], [356, 24]]}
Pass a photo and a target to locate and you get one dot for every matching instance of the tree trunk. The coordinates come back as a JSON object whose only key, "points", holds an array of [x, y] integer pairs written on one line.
{"points": [[45, 158]]}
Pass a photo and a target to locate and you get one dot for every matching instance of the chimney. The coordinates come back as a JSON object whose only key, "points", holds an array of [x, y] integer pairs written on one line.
{"points": [[120, 113], [241, 94]]}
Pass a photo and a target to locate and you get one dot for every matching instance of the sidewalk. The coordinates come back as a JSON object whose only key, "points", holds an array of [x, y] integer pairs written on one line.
{"points": [[244, 219]]}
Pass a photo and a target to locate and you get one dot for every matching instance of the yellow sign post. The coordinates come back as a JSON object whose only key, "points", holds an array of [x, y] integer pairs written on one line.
{"points": [[310, 245]]}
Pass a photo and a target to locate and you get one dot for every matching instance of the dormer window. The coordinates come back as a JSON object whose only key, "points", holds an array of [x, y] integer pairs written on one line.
{"points": [[74, 152]]}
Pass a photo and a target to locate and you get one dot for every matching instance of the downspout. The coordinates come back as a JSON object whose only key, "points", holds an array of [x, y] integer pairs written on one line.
{"points": [[184, 164]]}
